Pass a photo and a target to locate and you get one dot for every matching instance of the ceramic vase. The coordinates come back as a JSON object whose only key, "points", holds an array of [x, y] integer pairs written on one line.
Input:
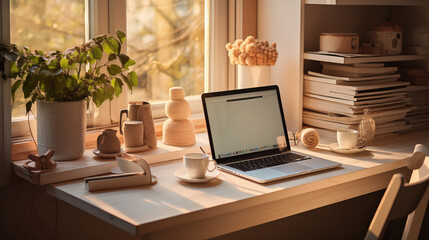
{"points": [[178, 130], [366, 129], [61, 126], [253, 76]]}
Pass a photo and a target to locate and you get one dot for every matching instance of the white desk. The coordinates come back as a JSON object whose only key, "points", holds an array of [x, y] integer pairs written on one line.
{"points": [[174, 208]]}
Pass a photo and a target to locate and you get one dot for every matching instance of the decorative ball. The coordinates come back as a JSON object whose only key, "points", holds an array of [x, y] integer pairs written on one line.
{"points": [[309, 137]]}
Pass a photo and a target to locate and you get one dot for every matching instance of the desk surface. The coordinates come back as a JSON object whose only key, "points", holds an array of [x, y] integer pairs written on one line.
{"points": [[231, 203]]}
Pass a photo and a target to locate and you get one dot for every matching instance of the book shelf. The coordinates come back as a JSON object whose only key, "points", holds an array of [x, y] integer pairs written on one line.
{"points": [[369, 2], [334, 101], [349, 60]]}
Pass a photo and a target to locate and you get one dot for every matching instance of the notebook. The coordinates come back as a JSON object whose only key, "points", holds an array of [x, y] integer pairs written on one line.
{"points": [[248, 136]]}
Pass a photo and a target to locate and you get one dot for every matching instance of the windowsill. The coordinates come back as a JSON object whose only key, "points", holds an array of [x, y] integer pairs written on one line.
{"points": [[23, 147], [89, 165]]}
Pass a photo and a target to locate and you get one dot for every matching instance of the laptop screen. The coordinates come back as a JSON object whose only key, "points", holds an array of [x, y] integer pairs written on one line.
{"points": [[247, 121]]}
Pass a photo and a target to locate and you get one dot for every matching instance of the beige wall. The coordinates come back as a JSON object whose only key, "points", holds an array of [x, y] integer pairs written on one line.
{"points": [[279, 21]]}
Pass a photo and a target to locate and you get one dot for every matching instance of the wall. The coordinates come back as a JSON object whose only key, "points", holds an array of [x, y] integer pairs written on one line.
{"points": [[279, 21]]}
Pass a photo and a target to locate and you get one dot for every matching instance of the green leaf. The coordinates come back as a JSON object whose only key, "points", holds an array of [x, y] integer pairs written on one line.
{"points": [[71, 83], [112, 57], [121, 36], [96, 53], [53, 64], [29, 85], [114, 69], [129, 63], [111, 45], [133, 78], [28, 107], [127, 81], [15, 86], [34, 97], [126, 61], [98, 97], [13, 68], [123, 58], [117, 85], [110, 91], [81, 58], [64, 63]]}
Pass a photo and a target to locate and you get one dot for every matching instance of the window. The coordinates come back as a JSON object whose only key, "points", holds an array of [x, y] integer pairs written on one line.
{"points": [[45, 25], [166, 38]]}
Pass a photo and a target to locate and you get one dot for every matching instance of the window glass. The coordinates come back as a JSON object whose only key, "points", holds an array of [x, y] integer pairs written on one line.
{"points": [[166, 39], [45, 25]]}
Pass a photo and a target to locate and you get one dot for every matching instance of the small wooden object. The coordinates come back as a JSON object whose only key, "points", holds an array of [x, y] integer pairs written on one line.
{"points": [[309, 137], [42, 163], [178, 130]]}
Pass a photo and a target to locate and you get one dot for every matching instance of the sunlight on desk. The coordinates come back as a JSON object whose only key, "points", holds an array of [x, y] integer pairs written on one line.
{"points": [[171, 206]]}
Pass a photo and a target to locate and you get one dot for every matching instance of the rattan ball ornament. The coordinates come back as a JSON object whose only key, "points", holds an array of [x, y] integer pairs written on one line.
{"points": [[309, 137]]}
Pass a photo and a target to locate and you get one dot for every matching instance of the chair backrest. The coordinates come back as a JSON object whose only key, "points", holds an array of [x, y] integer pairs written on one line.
{"points": [[403, 199]]}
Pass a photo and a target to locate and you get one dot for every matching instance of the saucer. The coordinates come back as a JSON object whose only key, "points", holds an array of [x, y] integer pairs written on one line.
{"points": [[105, 155], [334, 147], [136, 149], [181, 174]]}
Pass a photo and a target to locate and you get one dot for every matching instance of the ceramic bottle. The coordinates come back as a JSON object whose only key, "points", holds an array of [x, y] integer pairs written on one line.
{"points": [[366, 129]]}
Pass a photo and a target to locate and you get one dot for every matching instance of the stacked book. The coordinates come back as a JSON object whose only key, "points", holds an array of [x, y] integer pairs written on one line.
{"points": [[336, 97], [418, 117]]}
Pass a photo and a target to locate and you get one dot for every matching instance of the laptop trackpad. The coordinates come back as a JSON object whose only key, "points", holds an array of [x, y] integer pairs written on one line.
{"points": [[292, 168]]}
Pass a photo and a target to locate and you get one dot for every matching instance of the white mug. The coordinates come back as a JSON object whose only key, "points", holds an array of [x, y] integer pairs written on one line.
{"points": [[347, 138], [197, 164]]}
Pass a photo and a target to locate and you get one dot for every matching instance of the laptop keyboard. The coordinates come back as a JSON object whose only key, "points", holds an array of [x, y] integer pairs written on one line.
{"points": [[268, 161]]}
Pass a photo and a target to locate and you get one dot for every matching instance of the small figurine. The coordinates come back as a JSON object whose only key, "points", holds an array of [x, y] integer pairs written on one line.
{"points": [[42, 163], [178, 130]]}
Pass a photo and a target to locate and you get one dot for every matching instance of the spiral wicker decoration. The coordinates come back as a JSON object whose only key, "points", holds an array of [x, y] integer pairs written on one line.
{"points": [[309, 137]]}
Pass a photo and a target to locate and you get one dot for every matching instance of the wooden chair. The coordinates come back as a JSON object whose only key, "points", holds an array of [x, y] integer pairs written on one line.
{"points": [[403, 199]]}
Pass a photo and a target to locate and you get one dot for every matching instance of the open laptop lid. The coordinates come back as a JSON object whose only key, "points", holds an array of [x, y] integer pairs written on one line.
{"points": [[245, 123]]}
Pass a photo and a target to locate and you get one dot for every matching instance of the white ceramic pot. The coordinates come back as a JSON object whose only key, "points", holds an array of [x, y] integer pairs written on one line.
{"points": [[61, 126], [253, 76]]}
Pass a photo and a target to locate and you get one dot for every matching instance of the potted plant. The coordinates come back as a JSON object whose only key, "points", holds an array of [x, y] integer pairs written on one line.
{"points": [[63, 83], [254, 58]]}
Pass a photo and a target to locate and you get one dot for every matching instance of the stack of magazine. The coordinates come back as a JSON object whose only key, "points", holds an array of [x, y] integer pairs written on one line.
{"points": [[336, 97], [418, 117]]}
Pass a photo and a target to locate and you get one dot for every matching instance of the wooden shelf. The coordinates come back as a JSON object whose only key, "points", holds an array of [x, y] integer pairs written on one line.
{"points": [[370, 2], [350, 60]]}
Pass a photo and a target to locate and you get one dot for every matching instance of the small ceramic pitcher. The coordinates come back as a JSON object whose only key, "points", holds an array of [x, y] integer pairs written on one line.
{"points": [[141, 111], [108, 142]]}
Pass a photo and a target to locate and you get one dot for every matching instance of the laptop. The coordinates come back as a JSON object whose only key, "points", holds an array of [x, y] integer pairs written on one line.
{"points": [[248, 136]]}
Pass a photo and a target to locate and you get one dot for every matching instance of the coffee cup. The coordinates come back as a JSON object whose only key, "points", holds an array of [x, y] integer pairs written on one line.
{"points": [[133, 134], [197, 164], [347, 138]]}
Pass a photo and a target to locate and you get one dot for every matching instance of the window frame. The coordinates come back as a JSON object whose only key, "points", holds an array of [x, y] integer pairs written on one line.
{"points": [[5, 106]]}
